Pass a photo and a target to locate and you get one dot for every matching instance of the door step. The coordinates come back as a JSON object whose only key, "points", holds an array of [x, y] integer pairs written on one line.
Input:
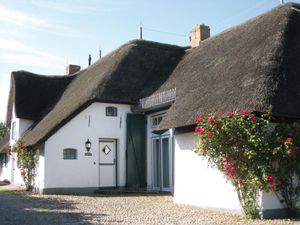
{"points": [[129, 191]]}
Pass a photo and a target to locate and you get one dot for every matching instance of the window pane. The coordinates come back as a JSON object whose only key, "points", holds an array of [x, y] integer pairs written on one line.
{"points": [[166, 163], [156, 163], [70, 153], [111, 111]]}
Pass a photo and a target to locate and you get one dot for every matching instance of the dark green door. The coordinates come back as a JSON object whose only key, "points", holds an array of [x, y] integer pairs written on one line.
{"points": [[136, 150]]}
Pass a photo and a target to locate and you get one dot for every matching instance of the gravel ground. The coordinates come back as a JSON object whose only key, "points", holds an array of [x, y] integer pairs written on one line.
{"points": [[21, 208]]}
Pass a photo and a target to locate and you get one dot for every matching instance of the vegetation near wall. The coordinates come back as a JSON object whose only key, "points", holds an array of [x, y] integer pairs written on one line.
{"points": [[3, 130], [254, 154]]}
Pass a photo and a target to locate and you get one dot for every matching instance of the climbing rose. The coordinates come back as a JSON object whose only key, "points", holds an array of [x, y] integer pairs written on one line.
{"points": [[252, 117], [227, 164], [278, 140], [288, 140], [215, 126], [209, 134], [200, 130], [271, 186], [243, 112], [209, 119], [269, 177], [200, 118], [278, 182], [229, 114]]}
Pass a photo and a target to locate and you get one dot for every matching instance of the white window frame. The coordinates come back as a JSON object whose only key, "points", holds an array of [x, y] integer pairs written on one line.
{"points": [[14, 130], [68, 154], [114, 110], [156, 117]]}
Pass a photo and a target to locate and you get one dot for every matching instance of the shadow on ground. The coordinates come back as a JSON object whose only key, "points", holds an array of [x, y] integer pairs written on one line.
{"points": [[19, 208]]}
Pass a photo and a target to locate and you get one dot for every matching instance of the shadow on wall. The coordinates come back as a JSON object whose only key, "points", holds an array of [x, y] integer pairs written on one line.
{"points": [[16, 208]]}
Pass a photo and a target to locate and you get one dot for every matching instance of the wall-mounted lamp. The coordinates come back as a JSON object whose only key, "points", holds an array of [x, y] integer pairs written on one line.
{"points": [[88, 146]]}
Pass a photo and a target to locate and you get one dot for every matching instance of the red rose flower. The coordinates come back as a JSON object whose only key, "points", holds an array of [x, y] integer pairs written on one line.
{"points": [[278, 182], [252, 117], [243, 112], [269, 177], [209, 134], [200, 130], [215, 126], [230, 114], [209, 119], [232, 170], [200, 118], [227, 164], [278, 140], [289, 140], [271, 186], [229, 175]]}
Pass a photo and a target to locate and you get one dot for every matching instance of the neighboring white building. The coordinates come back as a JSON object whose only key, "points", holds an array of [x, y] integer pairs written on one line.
{"points": [[136, 107]]}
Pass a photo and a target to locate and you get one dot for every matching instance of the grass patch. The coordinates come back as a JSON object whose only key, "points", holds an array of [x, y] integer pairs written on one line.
{"points": [[10, 192]]}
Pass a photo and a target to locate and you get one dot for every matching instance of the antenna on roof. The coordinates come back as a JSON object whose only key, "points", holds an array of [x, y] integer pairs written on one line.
{"points": [[100, 53], [90, 59], [141, 32]]}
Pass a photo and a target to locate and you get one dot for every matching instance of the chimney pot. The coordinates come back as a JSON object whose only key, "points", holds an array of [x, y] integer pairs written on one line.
{"points": [[199, 33], [71, 69]]}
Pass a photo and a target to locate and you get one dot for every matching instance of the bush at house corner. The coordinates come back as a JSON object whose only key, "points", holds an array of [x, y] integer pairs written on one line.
{"points": [[26, 163], [254, 154]]}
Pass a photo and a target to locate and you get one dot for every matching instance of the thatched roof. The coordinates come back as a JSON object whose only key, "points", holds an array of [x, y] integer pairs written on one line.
{"points": [[251, 66], [34, 95], [133, 71]]}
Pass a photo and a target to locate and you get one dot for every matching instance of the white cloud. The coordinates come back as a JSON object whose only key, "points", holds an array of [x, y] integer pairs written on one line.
{"points": [[4, 80], [26, 60], [19, 18], [18, 46], [81, 7]]}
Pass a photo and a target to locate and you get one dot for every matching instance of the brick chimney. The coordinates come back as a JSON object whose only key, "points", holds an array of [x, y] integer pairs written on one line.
{"points": [[71, 69], [198, 34]]}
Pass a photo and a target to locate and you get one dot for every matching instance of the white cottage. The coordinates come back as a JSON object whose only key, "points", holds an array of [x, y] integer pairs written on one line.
{"points": [[127, 121]]}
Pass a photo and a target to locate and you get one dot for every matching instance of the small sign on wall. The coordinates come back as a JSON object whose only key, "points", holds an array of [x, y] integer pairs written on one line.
{"points": [[88, 154]]}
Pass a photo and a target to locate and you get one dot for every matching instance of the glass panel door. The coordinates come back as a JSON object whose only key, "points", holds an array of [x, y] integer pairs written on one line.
{"points": [[165, 162], [161, 161], [156, 163]]}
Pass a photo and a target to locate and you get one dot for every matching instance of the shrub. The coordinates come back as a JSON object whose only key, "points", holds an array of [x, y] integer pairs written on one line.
{"points": [[254, 155]]}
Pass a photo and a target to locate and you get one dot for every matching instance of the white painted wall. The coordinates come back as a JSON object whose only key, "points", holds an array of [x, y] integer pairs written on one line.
{"points": [[11, 171], [84, 171], [40, 169], [198, 184], [269, 200]]}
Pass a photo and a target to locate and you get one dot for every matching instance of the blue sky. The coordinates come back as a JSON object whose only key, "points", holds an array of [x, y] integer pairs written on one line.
{"points": [[43, 36]]}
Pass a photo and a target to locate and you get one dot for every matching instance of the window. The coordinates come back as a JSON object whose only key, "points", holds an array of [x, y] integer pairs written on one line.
{"points": [[14, 131], [155, 121], [70, 153], [3, 160], [111, 111]]}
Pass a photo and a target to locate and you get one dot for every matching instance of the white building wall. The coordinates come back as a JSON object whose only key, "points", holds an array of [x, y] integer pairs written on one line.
{"points": [[92, 124], [11, 171], [40, 169], [198, 184]]}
